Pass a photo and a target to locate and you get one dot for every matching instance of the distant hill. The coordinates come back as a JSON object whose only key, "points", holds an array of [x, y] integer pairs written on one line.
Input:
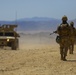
{"points": [[36, 24], [38, 19]]}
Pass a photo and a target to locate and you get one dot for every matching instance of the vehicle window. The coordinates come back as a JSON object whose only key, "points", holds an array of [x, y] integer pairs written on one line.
{"points": [[9, 34]]}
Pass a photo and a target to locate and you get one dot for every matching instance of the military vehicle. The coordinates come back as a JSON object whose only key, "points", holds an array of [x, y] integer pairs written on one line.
{"points": [[9, 37]]}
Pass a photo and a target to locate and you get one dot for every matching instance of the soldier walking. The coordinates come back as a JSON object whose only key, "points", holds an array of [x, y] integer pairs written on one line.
{"points": [[63, 31], [72, 37]]}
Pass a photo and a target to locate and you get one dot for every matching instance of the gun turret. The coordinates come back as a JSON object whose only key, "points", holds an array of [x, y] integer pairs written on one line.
{"points": [[7, 27]]}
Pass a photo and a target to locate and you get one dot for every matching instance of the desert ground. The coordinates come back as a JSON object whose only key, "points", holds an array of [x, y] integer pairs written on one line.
{"points": [[38, 54]]}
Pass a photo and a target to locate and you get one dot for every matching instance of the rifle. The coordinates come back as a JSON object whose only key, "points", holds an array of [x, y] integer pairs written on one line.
{"points": [[53, 32]]}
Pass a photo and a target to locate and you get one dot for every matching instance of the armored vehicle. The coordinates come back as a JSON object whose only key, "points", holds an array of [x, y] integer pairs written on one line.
{"points": [[9, 37]]}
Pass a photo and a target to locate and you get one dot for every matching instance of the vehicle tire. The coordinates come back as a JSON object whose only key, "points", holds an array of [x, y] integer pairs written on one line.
{"points": [[14, 45], [17, 43]]}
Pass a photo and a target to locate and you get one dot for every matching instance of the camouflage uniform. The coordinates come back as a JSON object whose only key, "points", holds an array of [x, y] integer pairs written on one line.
{"points": [[72, 38], [63, 31]]}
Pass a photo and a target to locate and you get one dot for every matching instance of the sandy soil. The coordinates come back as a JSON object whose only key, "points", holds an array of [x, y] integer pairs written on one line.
{"points": [[37, 55]]}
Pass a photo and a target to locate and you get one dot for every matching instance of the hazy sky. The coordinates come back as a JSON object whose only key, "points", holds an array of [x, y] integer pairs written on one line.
{"points": [[37, 8]]}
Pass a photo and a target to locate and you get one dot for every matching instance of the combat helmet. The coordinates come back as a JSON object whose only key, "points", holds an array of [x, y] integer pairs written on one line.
{"points": [[64, 18], [72, 23]]}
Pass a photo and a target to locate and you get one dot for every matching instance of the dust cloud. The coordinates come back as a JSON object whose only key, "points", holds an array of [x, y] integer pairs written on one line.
{"points": [[38, 54]]}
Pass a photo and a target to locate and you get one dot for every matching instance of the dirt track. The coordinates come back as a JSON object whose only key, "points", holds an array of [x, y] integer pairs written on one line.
{"points": [[37, 58]]}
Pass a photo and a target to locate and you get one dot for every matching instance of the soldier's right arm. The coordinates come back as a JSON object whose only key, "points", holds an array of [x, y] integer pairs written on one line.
{"points": [[55, 31]]}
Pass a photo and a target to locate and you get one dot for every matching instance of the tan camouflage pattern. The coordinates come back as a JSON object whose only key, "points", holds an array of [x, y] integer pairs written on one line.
{"points": [[72, 39], [64, 33], [72, 35]]}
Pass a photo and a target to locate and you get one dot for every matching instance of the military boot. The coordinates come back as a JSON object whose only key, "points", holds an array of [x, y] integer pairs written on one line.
{"points": [[70, 52], [64, 58]]}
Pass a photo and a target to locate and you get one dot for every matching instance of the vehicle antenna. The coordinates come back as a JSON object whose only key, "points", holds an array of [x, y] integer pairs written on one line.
{"points": [[16, 20]]}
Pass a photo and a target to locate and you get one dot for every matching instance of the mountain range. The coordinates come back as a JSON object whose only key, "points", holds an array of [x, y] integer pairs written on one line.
{"points": [[36, 23]]}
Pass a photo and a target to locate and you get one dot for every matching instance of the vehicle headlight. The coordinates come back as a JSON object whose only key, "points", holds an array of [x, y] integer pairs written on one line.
{"points": [[8, 40]]}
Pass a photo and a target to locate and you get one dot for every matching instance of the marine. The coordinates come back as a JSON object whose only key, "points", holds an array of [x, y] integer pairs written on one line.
{"points": [[72, 37], [63, 31]]}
